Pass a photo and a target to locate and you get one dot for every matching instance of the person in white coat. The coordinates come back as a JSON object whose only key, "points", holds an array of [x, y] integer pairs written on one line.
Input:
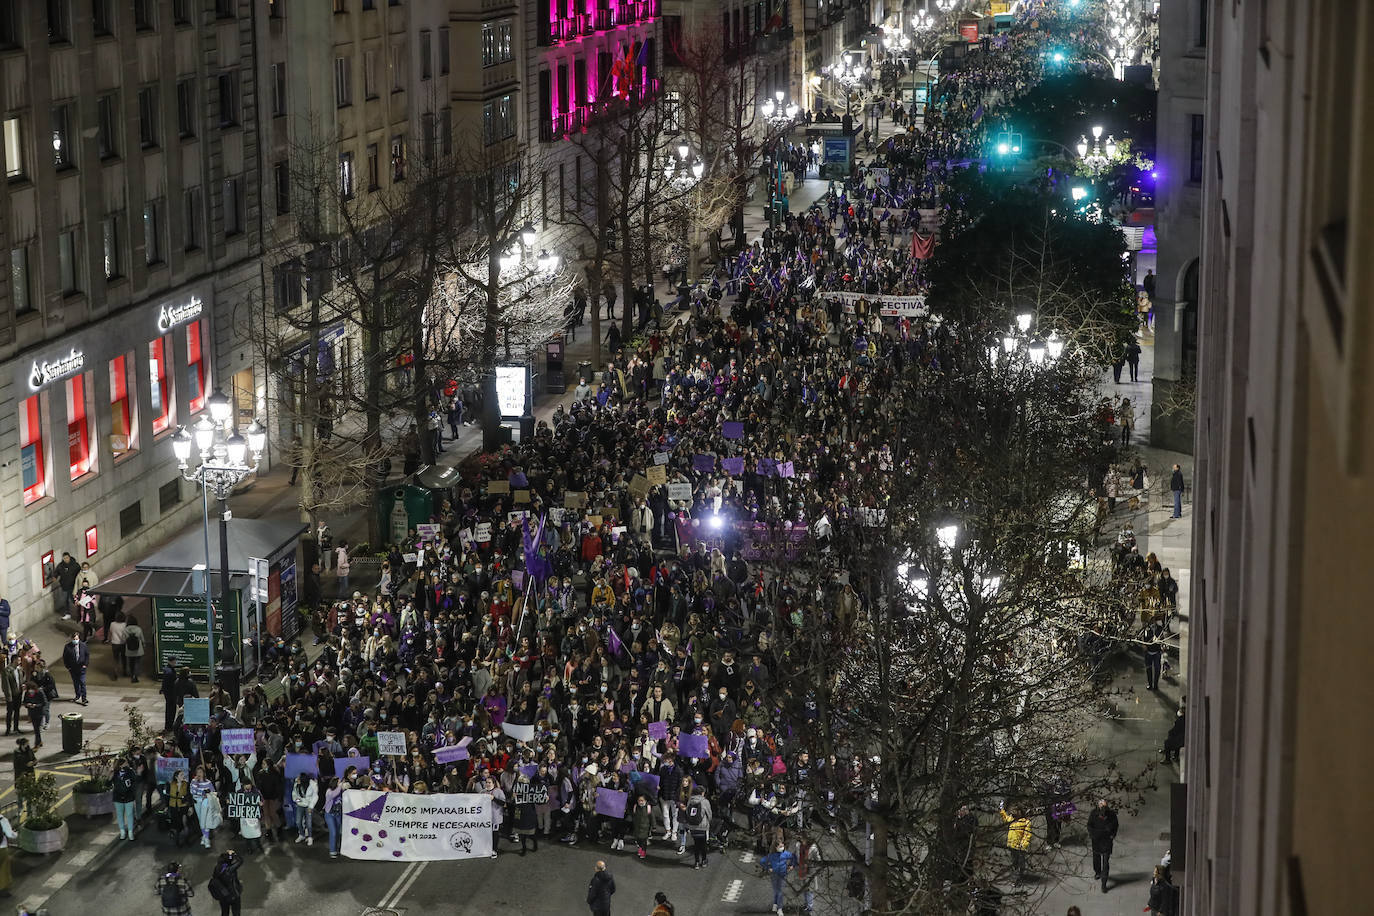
{"points": [[304, 794]]}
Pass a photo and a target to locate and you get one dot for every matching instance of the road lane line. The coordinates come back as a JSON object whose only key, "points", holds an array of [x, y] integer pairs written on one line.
{"points": [[396, 900], [386, 898]]}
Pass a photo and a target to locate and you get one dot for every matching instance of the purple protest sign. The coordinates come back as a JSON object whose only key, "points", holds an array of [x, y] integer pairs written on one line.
{"points": [[530, 769], [296, 764], [658, 730], [767, 467], [341, 765], [693, 746], [610, 802], [733, 466], [704, 464], [648, 781], [236, 741], [732, 429], [785, 469], [451, 754]]}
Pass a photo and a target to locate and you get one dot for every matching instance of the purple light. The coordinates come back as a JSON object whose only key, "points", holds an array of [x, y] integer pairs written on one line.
{"points": [[1154, 174]]}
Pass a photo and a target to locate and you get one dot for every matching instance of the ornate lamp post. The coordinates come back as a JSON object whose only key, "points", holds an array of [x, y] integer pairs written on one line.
{"points": [[779, 113]]}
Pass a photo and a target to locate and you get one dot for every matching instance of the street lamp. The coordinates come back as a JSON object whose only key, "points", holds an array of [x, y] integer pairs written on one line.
{"points": [[779, 113], [528, 234], [1098, 157], [688, 177], [848, 74], [224, 463]]}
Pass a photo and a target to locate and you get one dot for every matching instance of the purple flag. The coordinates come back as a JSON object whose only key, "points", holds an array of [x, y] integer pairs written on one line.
{"points": [[693, 746], [658, 730], [704, 464], [610, 802], [732, 430], [530, 769], [341, 764], [785, 469], [733, 466], [613, 642], [538, 567]]}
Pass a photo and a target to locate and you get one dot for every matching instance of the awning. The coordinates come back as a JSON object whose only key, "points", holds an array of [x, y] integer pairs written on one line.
{"points": [[248, 537], [163, 583], [438, 477]]}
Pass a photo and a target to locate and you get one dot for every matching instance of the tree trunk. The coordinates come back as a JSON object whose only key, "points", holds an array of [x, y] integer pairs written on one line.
{"points": [[374, 373], [627, 252]]}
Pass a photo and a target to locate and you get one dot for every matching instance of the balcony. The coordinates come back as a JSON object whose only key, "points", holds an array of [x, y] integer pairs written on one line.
{"points": [[634, 12], [565, 123]]}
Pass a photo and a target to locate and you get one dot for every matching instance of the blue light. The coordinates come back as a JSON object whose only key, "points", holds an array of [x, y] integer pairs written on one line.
{"points": [[1058, 57], [1003, 149]]}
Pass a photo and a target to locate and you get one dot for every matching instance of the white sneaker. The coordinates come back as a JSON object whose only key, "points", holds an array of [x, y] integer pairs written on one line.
{"points": [[121, 834], [300, 838], [310, 841]]}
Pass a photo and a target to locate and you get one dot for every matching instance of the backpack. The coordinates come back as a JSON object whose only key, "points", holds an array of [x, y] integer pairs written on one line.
{"points": [[173, 896], [694, 813], [132, 643]]}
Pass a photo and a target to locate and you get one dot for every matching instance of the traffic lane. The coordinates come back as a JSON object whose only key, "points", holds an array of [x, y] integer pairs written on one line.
{"points": [[553, 882]]}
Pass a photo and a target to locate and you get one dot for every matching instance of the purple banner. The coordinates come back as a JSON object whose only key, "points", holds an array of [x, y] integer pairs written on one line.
{"points": [[236, 741], [704, 464], [647, 781], [693, 746], [296, 764], [610, 802], [733, 466], [530, 769], [658, 730], [785, 469], [732, 429], [341, 765], [451, 754]]}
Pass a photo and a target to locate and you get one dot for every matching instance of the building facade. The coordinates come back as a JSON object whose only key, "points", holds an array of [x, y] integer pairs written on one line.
{"points": [[130, 232], [1279, 737]]}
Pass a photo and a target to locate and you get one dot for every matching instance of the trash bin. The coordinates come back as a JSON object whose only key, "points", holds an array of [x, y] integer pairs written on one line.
{"points": [[71, 733]]}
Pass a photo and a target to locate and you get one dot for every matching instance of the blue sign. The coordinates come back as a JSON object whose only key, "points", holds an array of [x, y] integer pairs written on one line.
{"points": [[28, 462], [835, 150]]}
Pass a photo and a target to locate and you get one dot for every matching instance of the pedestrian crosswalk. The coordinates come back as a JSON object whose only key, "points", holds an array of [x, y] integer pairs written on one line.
{"points": [[733, 891]]}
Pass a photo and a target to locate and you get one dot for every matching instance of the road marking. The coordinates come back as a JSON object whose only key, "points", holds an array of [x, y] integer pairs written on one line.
{"points": [[386, 898], [747, 858], [733, 892], [406, 887], [83, 858], [402, 884]]}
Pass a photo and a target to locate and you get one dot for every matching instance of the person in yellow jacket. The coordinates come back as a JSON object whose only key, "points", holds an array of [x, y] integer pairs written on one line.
{"points": [[1018, 840]]}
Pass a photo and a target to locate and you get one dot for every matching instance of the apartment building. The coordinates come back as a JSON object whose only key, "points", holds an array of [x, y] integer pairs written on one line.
{"points": [[130, 233]]}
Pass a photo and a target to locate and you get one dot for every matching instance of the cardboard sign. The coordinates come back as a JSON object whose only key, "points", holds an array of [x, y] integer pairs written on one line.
{"points": [[483, 532], [660, 458], [639, 486], [497, 487], [428, 531], [611, 802], [556, 517], [518, 732], [574, 500], [196, 711], [526, 794], [296, 764], [704, 464], [680, 492], [243, 804], [732, 466], [732, 429], [693, 746], [785, 469], [658, 730], [341, 765], [657, 475], [522, 497], [391, 744], [166, 767], [236, 741]]}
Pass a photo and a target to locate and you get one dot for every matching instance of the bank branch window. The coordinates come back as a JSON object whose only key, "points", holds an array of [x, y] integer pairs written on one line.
{"points": [[195, 369], [158, 365], [79, 415], [123, 434], [31, 457]]}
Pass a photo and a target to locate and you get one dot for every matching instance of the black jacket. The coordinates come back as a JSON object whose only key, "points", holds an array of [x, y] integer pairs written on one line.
{"points": [[600, 889], [1102, 827], [1176, 482]]}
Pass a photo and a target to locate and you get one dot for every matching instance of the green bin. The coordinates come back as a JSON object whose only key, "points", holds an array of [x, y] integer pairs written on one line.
{"points": [[71, 733]]}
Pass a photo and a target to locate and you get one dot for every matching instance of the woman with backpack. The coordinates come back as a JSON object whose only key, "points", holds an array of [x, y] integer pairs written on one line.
{"points": [[133, 646], [698, 824], [642, 820], [174, 891], [225, 885]]}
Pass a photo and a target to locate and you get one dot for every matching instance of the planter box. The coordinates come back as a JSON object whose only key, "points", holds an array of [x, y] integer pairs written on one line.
{"points": [[43, 841], [90, 804]]}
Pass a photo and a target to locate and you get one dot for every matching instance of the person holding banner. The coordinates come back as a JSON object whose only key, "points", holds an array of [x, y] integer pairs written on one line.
{"points": [[333, 814]]}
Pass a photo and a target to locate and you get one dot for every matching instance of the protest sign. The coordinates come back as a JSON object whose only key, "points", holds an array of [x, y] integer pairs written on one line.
{"points": [[660, 458], [785, 469], [167, 766], [680, 492], [451, 754], [518, 732], [391, 744], [610, 802], [296, 764], [516, 516], [483, 532], [196, 711], [236, 741], [428, 531], [410, 558], [341, 765], [555, 516], [243, 804], [401, 827], [639, 486], [732, 429], [527, 794], [646, 781], [657, 475], [465, 538], [693, 746], [733, 466], [767, 467], [704, 464], [522, 497], [658, 730], [573, 499], [497, 487]]}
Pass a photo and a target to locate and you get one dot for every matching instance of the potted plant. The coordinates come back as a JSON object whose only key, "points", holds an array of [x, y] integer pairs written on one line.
{"points": [[42, 829], [94, 793]]}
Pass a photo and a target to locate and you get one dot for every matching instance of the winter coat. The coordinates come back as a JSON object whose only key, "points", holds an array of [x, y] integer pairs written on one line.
{"points": [[1102, 827]]}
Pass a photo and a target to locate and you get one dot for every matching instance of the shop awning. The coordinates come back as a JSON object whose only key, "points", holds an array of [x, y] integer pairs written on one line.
{"points": [[162, 583], [248, 537]]}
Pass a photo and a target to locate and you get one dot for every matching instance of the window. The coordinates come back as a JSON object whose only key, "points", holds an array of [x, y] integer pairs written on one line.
{"points": [[228, 99], [195, 368], [372, 173], [446, 131], [426, 55], [9, 25], [233, 219], [287, 285], [497, 44], [147, 116], [278, 89], [130, 519], [59, 21], [370, 74], [63, 154], [282, 181], [1196, 142], [369, 4], [427, 135], [443, 52], [32, 461], [498, 120], [158, 365], [224, 9], [275, 8], [107, 126], [19, 281], [152, 232], [102, 19], [169, 495], [398, 158], [109, 230], [343, 82], [186, 108], [145, 14], [195, 212], [79, 456], [346, 176], [92, 541], [181, 12], [14, 148], [1200, 40], [123, 431], [398, 70], [340, 6], [69, 260]]}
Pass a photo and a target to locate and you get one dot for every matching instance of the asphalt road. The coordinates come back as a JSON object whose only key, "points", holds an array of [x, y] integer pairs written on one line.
{"points": [[304, 881]]}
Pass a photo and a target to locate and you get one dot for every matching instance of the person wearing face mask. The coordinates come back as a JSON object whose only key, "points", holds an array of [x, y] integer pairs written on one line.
{"points": [[722, 711]]}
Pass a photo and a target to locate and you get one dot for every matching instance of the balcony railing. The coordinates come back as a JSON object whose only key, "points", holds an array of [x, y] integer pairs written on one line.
{"points": [[565, 123]]}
